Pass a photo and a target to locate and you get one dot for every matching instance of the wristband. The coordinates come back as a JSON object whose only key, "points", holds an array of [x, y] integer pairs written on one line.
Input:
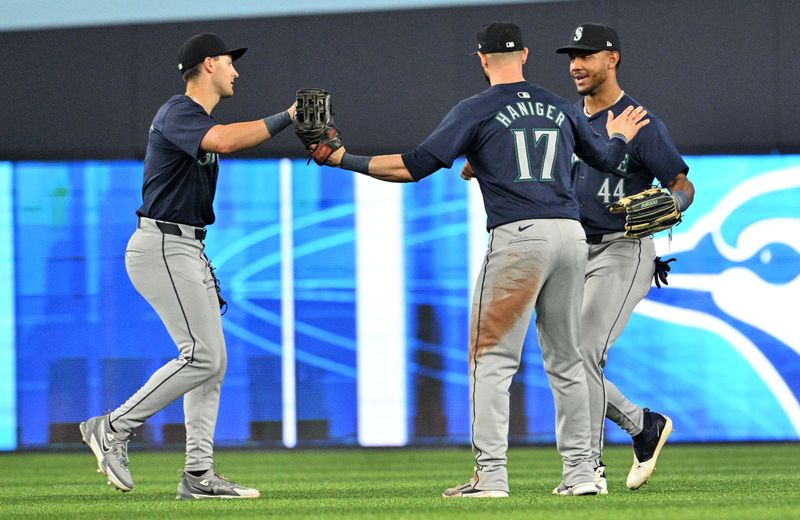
{"points": [[618, 136], [681, 200], [277, 122], [355, 163]]}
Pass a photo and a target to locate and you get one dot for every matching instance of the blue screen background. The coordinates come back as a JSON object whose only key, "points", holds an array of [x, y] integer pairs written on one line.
{"points": [[717, 350]]}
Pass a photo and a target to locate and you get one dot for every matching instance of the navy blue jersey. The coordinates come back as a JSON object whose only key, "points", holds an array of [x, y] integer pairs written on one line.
{"points": [[179, 180], [651, 155], [519, 139]]}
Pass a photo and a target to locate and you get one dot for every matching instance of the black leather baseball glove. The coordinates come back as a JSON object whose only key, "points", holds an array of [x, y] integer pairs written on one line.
{"points": [[313, 124], [647, 212]]}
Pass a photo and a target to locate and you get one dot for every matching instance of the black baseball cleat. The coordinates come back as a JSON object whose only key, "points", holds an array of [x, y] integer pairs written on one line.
{"points": [[646, 447]]}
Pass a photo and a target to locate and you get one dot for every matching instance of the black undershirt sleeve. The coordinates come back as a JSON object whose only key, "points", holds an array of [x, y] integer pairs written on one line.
{"points": [[421, 163]]}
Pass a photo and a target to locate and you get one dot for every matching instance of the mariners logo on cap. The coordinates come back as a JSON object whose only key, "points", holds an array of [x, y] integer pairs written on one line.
{"points": [[578, 33]]}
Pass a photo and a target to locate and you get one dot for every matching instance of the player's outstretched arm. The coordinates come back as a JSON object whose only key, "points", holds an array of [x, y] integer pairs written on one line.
{"points": [[240, 136], [389, 168]]}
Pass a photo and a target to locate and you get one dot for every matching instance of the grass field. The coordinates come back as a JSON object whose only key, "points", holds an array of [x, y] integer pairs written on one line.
{"points": [[710, 482]]}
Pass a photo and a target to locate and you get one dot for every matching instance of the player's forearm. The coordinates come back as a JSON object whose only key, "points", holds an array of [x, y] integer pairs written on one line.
{"points": [[605, 155], [240, 136], [682, 189], [389, 168]]}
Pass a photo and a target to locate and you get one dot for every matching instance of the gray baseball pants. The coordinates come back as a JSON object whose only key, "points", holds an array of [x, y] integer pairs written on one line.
{"points": [[618, 276], [530, 265], [173, 274]]}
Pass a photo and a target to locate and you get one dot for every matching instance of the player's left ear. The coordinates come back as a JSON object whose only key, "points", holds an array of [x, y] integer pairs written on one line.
{"points": [[209, 63], [484, 60], [613, 59]]}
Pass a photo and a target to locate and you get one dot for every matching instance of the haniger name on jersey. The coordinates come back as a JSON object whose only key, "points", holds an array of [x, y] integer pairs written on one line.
{"points": [[529, 108]]}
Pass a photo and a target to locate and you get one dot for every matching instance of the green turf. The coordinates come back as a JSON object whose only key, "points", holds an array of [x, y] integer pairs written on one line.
{"points": [[709, 482]]}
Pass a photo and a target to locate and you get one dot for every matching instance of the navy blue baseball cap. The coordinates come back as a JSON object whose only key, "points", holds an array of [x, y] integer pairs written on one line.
{"points": [[198, 47], [499, 37], [592, 37]]}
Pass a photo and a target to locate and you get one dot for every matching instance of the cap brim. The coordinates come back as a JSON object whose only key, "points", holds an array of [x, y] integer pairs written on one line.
{"points": [[493, 52], [236, 53], [571, 48]]}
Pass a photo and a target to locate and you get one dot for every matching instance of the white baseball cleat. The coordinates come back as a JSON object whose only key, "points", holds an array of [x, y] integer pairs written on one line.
{"points": [[647, 446], [600, 479], [582, 489], [467, 490]]}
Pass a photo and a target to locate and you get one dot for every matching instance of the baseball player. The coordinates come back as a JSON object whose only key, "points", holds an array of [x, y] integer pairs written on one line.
{"points": [[166, 263], [519, 138], [619, 270]]}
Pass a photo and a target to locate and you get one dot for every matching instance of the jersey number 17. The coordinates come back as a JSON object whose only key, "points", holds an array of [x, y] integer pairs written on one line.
{"points": [[546, 139]]}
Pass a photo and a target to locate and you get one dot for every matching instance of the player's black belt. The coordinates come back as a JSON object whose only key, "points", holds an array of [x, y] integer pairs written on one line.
{"points": [[608, 237], [169, 228]]}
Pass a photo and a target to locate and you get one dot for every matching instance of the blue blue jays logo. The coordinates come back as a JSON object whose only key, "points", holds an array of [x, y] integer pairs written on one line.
{"points": [[729, 343]]}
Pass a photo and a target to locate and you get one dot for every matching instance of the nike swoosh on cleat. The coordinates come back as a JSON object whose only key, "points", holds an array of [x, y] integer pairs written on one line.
{"points": [[204, 489]]}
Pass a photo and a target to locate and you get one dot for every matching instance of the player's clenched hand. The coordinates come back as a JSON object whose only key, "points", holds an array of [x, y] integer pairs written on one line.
{"points": [[334, 159], [628, 123], [292, 110], [467, 172]]}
